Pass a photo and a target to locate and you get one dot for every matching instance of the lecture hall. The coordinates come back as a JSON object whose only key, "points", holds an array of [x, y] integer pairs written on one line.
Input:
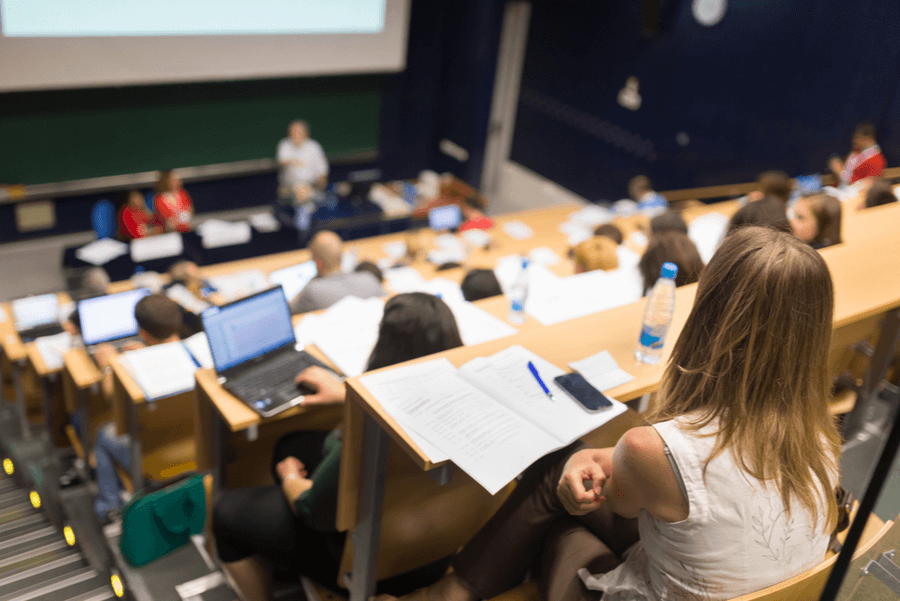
{"points": [[449, 300]]}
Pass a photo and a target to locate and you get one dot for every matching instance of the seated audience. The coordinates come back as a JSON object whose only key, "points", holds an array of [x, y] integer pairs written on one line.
{"points": [[598, 252], [331, 284], [741, 442], [135, 221], [640, 189], [610, 231], [172, 202], [773, 184], [671, 247], [865, 160], [671, 221], [292, 525], [881, 192], [302, 164], [768, 211], [370, 267], [479, 284], [159, 320], [94, 282], [187, 273], [817, 220]]}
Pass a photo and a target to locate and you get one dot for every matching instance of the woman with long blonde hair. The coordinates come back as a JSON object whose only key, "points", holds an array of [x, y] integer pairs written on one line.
{"points": [[730, 488]]}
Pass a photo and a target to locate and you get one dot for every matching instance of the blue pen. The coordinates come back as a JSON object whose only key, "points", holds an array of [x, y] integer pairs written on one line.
{"points": [[537, 376]]}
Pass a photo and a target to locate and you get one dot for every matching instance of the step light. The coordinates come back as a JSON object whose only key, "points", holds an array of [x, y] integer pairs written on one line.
{"points": [[70, 535], [35, 499], [117, 586], [8, 466]]}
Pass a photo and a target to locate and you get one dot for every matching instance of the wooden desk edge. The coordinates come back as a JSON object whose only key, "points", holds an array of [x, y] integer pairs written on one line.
{"points": [[81, 368]]}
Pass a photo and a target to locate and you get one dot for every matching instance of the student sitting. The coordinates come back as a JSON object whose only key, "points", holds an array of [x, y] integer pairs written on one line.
{"points": [[768, 211], [817, 220], [479, 284], [641, 190], [610, 231], [671, 221], [331, 284], [135, 221], [293, 525], [172, 202], [773, 184], [370, 267], [865, 160], [671, 247], [159, 320], [741, 443], [881, 192], [598, 252]]}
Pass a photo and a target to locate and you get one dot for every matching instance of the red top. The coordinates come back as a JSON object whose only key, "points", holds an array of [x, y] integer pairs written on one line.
{"points": [[483, 222], [133, 223], [176, 209], [867, 163]]}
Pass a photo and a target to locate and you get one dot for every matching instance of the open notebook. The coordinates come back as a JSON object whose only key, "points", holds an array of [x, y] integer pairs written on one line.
{"points": [[490, 417]]}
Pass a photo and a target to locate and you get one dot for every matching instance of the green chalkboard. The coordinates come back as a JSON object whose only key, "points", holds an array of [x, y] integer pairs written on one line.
{"points": [[61, 135]]}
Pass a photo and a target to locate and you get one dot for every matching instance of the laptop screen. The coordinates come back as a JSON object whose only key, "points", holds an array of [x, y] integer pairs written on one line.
{"points": [[248, 328], [294, 279], [35, 311], [109, 317], [444, 218]]}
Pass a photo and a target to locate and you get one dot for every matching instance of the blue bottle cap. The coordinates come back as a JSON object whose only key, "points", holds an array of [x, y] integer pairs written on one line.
{"points": [[669, 271], [524, 262]]}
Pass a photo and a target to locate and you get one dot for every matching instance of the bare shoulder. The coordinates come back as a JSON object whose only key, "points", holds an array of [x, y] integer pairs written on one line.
{"points": [[640, 459], [642, 446]]}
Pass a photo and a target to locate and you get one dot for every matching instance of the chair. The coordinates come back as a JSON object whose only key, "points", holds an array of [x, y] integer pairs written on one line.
{"points": [[103, 219]]}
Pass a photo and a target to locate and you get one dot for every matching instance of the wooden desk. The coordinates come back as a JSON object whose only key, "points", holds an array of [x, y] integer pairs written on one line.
{"points": [[51, 393], [81, 381]]}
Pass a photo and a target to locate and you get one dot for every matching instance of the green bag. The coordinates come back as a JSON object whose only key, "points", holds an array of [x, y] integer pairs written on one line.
{"points": [[155, 523]]}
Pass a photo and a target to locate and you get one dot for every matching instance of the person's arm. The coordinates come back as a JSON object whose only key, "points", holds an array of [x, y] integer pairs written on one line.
{"points": [[293, 480], [313, 499], [329, 390], [836, 165], [282, 155], [321, 167]]}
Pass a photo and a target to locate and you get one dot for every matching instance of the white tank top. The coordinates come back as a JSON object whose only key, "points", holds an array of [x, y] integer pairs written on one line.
{"points": [[736, 539]]}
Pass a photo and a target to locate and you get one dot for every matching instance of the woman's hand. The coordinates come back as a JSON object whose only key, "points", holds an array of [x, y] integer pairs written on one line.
{"points": [[328, 389], [293, 480], [582, 481], [289, 468]]}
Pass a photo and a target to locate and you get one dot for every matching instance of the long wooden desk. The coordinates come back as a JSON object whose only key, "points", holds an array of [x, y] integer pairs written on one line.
{"points": [[866, 285]]}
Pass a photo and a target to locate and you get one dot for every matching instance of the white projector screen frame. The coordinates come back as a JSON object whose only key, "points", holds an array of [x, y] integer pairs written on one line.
{"points": [[47, 63]]}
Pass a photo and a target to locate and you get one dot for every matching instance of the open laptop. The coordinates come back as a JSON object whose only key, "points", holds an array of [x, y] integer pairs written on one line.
{"points": [[294, 278], [110, 318], [252, 345], [36, 316], [445, 218]]}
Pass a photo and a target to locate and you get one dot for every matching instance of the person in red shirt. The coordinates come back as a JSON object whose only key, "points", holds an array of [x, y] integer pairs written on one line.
{"points": [[866, 159], [172, 202], [135, 221]]}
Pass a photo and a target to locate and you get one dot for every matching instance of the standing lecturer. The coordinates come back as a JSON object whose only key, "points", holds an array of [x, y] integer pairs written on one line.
{"points": [[301, 163]]}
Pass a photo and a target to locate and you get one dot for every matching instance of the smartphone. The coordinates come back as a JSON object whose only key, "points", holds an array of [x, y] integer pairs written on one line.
{"points": [[579, 389]]}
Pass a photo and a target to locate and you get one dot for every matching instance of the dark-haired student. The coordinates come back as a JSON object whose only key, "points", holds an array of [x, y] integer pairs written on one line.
{"points": [[292, 526], [610, 231], [881, 192], [479, 284], [770, 212], [370, 267], [159, 321], [670, 247], [817, 220], [671, 221]]}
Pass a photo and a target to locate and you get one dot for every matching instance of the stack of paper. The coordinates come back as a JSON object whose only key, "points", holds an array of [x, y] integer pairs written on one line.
{"points": [[156, 247], [161, 370], [404, 279], [264, 222], [476, 325], [544, 255], [391, 204], [238, 285], [216, 233], [102, 251], [186, 299], [347, 332], [490, 417], [601, 371], [52, 349], [477, 238], [198, 346], [582, 294], [518, 230]]}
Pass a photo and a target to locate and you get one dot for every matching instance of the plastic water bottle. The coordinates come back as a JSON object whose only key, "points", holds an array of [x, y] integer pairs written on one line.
{"points": [[657, 316], [518, 292]]}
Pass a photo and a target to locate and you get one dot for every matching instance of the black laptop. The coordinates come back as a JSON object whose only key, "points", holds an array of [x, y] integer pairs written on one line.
{"points": [[36, 316], [252, 344]]}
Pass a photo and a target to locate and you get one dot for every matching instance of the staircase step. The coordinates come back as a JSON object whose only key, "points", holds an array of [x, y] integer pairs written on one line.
{"points": [[101, 593], [21, 521], [60, 588], [28, 543], [28, 576], [73, 590]]}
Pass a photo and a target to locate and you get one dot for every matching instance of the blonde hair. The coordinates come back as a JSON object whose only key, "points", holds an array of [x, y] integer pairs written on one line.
{"points": [[598, 252], [826, 210], [752, 359]]}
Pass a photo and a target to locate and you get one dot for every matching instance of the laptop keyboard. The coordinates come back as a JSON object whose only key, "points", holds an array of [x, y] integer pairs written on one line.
{"points": [[274, 374]]}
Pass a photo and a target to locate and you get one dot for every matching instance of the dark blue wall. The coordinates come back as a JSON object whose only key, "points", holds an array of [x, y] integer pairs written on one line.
{"points": [[777, 84]]}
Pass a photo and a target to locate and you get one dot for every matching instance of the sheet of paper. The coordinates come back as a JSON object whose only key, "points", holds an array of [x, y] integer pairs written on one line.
{"points": [[477, 325], [198, 346], [161, 370], [444, 289], [485, 439], [396, 249], [186, 299], [238, 285], [707, 232], [216, 234], [477, 238], [156, 247], [306, 328], [52, 349], [591, 216], [577, 237], [601, 371], [443, 256], [264, 222], [518, 230], [544, 255], [348, 332], [404, 279], [147, 279], [582, 294], [102, 251]]}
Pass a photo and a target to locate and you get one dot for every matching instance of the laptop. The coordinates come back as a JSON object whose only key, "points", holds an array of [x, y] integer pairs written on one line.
{"points": [[36, 316], [252, 345], [445, 218], [110, 318], [294, 278]]}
